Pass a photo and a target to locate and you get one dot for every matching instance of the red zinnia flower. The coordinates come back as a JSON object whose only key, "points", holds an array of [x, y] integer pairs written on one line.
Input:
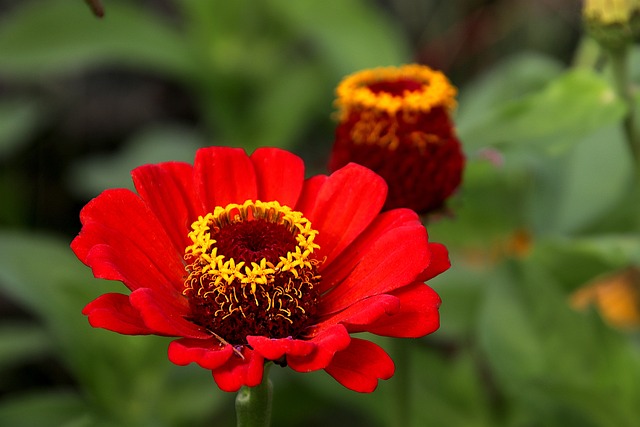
{"points": [[246, 262], [396, 122]]}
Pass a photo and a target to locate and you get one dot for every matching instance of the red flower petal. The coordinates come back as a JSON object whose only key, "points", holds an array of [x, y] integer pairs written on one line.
{"points": [[167, 188], [439, 262], [273, 349], [240, 371], [160, 314], [417, 317], [364, 312], [374, 286], [113, 263], [384, 267], [120, 219], [344, 206], [310, 190], [384, 223], [114, 312], [209, 354], [279, 175], [224, 175], [360, 365], [327, 342]]}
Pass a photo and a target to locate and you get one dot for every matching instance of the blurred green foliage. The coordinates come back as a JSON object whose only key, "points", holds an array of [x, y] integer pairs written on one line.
{"points": [[549, 203]]}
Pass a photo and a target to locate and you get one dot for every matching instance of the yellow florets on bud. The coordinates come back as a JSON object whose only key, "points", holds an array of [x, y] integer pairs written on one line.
{"points": [[436, 91], [612, 23]]}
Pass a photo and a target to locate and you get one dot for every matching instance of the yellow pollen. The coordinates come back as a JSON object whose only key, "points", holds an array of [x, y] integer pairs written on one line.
{"points": [[231, 284], [436, 91], [381, 129]]}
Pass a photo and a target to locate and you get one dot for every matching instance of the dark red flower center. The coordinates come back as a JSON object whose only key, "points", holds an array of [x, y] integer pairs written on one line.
{"points": [[250, 241], [251, 272], [395, 87]]}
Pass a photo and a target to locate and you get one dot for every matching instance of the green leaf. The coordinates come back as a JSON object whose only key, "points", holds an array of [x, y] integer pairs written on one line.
{"points": [[21, 342], [597, 174], [492, 195], [462, 290], [507, 334], [155, 144], [569, 108], [51, 409], [298, 397], [574, 190], [18, 119], [59, 36], [283, 109], [33, 287], [127, 379], [510, 80], [447, 390], [56, 291], [559, 367], [612, 251], [571, 263], [349, 35]]}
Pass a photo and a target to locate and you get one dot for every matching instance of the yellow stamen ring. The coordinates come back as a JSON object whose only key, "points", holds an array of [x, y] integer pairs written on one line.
{"points": [[220, 269], [436, 91], [228, 294]]}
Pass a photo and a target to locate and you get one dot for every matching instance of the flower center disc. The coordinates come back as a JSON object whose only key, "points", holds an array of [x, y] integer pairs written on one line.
{"points": [[395, 87], [251, 271]]}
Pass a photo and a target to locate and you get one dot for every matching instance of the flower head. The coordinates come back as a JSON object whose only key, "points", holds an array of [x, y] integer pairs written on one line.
{"points": [[244, 261], [612, 23], [396, 122]]}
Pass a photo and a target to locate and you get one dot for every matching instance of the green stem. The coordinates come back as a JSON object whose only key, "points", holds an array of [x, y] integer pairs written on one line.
{"points": [[402, 383], [635, 198], [588, 54], [620, 67], [253, 404]]}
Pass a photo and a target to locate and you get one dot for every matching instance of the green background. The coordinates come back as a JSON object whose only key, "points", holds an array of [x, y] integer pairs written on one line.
{"points": [[83, 101]]}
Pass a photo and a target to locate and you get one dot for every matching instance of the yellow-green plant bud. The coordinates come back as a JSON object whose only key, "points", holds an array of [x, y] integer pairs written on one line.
{"points": [[613, 23]]}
